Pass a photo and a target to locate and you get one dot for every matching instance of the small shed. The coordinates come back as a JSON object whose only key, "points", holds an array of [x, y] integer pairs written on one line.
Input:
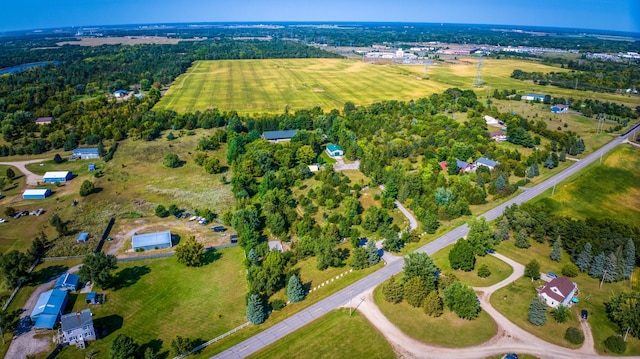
{"points": [[48, 309], [275, 246], [91, 167], [334, 150], [86, 153], [82, 237], [37, 193], [92, 298], [151, 241], [57, 176], [67, 281]]}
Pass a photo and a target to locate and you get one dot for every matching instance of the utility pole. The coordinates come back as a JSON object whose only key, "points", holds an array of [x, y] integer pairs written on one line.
{"points": [[604, 272], [625, 335], [554, 188]]}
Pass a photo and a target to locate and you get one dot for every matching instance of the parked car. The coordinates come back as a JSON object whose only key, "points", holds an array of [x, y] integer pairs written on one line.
{"points": [[218, 228], [552, 275], [490, 251], [584, 314], [203, 221], [511, 356], [2, 220]]}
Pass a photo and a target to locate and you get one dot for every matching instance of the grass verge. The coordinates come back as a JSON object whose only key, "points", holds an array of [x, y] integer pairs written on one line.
{"points": [[499, 269]]}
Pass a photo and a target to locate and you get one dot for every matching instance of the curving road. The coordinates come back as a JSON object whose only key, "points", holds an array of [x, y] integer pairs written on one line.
{"points": [[31, 178], [278, 331]]}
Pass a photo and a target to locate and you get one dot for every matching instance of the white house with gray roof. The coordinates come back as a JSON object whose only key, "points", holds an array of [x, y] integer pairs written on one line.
{"points": [[77, 328]]}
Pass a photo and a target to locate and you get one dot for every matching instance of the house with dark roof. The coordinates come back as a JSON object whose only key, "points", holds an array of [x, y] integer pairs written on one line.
{"points": [[334, 150], [464, 166], [48, 309], [150, 241], [558, 291], [67, 281], [559, 108], [44, 120], [279, 136], [483, 161], [77, 328]]}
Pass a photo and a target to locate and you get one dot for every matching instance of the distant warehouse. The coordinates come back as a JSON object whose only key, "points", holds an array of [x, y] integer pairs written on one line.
{"points": [[39, 193], [62, 176], [86, 153], [151, 241]]}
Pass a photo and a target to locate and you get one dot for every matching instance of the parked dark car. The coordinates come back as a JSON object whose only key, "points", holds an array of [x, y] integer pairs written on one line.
{"points": [[218, 228], [584, 314]]}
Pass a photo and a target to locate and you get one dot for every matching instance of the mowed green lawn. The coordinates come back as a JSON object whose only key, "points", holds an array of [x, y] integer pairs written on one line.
{"points": [[499, 269], [156, 300], [335, 335]]}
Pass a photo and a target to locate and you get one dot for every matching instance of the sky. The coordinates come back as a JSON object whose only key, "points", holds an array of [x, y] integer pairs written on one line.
{"points": [[622, 15]]}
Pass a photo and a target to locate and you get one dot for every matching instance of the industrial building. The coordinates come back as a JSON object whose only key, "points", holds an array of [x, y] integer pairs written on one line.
{"points": [[37, 193], [151, 241], [59, 176], [86, 153], [48, 309]]}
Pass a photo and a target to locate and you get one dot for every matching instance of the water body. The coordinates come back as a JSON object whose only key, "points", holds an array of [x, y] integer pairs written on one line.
{"points": [[20, 68]]}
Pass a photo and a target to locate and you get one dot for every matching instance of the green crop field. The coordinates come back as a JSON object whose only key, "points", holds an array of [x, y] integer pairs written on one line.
{"points": [[258, 86]]}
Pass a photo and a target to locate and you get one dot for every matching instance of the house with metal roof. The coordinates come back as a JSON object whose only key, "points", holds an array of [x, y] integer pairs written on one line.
{"points": [[151, 241], [57, 176], [334, 150], [67, 281], [77, 328], [532, 97], [559, 108], [483, 161], [48, 309], [558, 291], [36, 193], [279, 136], [86, 153], [82, 237]]}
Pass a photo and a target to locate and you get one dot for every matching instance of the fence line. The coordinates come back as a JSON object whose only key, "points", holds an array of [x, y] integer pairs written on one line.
{"points": [[15, 291], [218, 338]]}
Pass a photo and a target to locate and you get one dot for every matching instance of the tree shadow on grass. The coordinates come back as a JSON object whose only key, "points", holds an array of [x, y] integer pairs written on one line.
{"points": [[46, 274], [104, 326], [129, 276], [155, 345], [210, 256]]}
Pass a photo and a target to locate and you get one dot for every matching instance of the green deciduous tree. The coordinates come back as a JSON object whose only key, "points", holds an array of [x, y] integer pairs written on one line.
{"points": [[570, 270], [532, 270], [616, 344], [393, 291], [537, 314], [255, 310], [561, 313], [502, 230], [480, 236], [574, 335], [14, 266], [59, 224], [462, 300], [181, 345], [462, 256], [171, 160], [433, 304], [624, 310], [415, 291], [98, 268], [421, 265], [484, 271], [123, 347], [190, 252], [295, 291], [161, 211], [86, 188]]}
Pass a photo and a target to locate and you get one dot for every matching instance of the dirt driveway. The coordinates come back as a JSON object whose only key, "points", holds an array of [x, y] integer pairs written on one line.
{"points": [[32, 179]]}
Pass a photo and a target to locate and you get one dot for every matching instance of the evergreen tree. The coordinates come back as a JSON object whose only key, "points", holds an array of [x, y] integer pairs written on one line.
{"points": [[433, 304], [532, 270], [502, 232], [531, 172], [415, 291], [522, 239], [462, 300], [597, 267], [629, 255], [500, 182], [548, 163], [584, 258], [373, 256], [556, 252], [610, 273], [393, 291], [359, 258], [253, 256], [255, 310], [537, 314], [421, 265], [563, 156], [295, 292], [480, 236], [86, 188], [461, 256]]}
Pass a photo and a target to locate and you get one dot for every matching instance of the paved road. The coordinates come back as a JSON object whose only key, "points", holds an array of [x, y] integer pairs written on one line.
{"points": [[278, 331], [32, 179]]}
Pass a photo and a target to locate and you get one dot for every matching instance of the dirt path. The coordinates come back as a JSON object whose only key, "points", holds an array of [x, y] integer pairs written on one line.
{"points": [[32, 179], [341, 166], [24, 343], [509, 339]]}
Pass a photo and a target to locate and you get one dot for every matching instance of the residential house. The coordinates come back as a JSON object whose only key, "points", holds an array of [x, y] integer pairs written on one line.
{"points": [[334, 150], [483, 161], [558, 291], [77, 328], [490, 120], [67, 282], [498, 136], [44, 120], [279, 136], [120, 94], [533, 97], [559, 108]]}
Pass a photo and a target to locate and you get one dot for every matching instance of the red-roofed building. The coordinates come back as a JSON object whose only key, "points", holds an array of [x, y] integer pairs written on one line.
{"points": [[44, 120], [558, 291]]}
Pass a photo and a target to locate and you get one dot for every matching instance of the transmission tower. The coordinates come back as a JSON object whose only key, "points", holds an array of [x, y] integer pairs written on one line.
{"points": [[478, 80]]}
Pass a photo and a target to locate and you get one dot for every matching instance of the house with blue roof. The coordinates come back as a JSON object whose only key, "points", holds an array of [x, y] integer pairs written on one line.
{"points": [[67, 281], [279, 136], [334, 150], [483, 161], [151, 241], [48, 309], [559, 108], [86, 153]]}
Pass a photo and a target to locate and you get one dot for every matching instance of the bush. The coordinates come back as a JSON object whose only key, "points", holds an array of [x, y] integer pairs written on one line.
{"points": [[561, 314], [161, 211], [86, 188], [484, 271], [574, 335], [171, 160], [570, 270], [616, 344], [278, 304]]}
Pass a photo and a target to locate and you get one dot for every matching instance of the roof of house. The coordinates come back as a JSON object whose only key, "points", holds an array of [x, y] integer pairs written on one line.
{"points": [[57, 174], [461, 164], [36, 192], [333, 147], [497, 133], [68, 278], [487, 162], [49, 304], [535, 95], [275, 246], [83, 236], [490, 120], [558, 288], [560, 106], [120, 91], [85, 151], [92, 295], [75, 320], [44, 119], [278, 135], [151, 239]]}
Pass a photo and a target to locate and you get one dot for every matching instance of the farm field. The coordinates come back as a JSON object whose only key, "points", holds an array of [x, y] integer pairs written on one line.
{"points": [[333, 335], [258, 86], [611, 189]]}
